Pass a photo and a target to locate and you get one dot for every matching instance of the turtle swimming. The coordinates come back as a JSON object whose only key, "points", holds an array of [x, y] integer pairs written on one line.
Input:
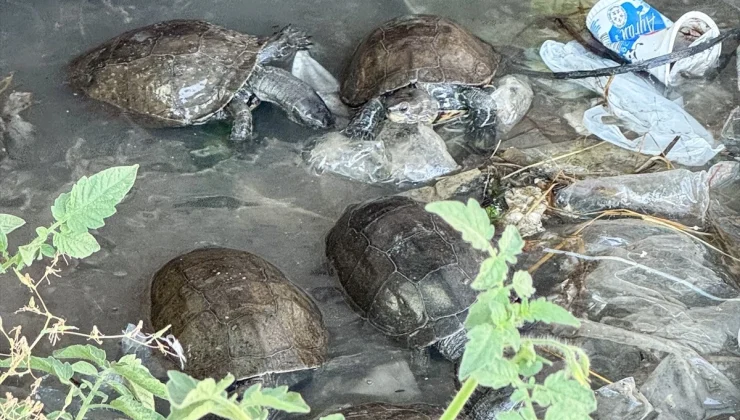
{"points": [[406, 271], [236, 313], [188, 72], [420, 68]]}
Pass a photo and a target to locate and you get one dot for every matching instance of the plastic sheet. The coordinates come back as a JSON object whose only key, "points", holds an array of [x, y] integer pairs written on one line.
{"points": [[401, 153], [621, 400], [637, 107], [513, 97]]}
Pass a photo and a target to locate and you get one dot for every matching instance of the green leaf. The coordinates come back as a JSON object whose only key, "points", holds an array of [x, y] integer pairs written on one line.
{"points": [[179, 386], [9, 223], [278, 398], [48, 250], [335, 416], [3, 242], [511, 244], [509, 415], [197, 411], [497, 373], [492, 274], [478, 314], [483, 346], [93, 199], [549, 313], [76, 244], [63, 371], [29, 252], [37, 363], [133, 371], [145, 397], [471, 220], [85, 352], [134, 409], [58, 415], [564, 393], [522, 283], [84, 368]]}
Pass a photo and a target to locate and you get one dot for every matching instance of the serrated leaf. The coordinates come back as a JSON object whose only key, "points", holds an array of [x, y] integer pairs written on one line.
{"points": [[497, 373], [549, 313], [142, 395], [37, 363], [29, 252], [511, 244], [471, 220], [47, 250], [63, 371], [483, 347], [561, 392], [492, 274], [335, 416], [76, 244], [85, 352], [478, 314], [179, 386], [136, 373], [278, 398], [134, 409], [93, 199], [194, 411], [563, 411], [522, 283], [84, 368], [9, 223]]}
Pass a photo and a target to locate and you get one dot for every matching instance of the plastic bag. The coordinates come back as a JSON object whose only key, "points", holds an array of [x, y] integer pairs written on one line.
{"points": [[513, 97], [678, 194], [313, 73], [637, 106], [400, 153]]}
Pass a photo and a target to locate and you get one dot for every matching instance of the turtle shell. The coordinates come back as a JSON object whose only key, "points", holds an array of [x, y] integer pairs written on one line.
{"points": [[236, 313], [416, 48], [404, 269], [173, 73], [385, 411]]}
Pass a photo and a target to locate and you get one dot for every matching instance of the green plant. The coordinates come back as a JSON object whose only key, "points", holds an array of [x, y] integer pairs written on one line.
{"points": [[124, 385], [496, 355]]}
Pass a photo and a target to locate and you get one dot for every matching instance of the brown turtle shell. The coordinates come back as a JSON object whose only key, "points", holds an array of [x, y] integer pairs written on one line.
{"points": [[173, 73], [236, 313], [416, 48], [404, 269]]}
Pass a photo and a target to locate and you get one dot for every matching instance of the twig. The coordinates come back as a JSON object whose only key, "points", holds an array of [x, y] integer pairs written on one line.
{"points": [[642, 267], [551, 160], [639, 65]]}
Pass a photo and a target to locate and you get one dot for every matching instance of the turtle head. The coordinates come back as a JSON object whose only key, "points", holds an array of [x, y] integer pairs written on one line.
{"points": [[411, 106], [312, 112]]}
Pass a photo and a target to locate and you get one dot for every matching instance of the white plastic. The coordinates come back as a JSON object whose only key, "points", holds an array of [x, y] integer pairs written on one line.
{"points": [[636, 31], [513, 97], [637, 106], [319, 78]]}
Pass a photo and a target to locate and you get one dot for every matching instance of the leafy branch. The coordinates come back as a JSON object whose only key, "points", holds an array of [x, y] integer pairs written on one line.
{"points": [[496, 355]]}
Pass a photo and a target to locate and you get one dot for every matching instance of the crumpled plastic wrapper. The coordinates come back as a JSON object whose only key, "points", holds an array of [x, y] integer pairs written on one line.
{"points": [[526, 208], [14, 130], [401, 153], [513, 97]]}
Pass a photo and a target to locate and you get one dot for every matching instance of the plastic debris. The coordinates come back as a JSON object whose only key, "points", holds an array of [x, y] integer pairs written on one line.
{"points": [[526, 208], [730, 136], [326, 85], [637, 32], [634, 105], [622, 400], [400, 153], [513, 97], [15, 132]]}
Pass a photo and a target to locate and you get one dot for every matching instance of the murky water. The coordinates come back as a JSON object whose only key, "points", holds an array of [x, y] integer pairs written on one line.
{"points": [[271, 205]]}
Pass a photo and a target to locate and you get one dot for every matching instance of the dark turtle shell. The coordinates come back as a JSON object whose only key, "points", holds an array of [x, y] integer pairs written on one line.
{"points": [[236, 313], [385, 411], [173, 73], [416, 48], [404, 269]]}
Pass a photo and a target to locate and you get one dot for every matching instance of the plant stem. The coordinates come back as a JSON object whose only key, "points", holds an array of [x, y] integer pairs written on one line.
{"points": [[457, 404], [90, 396]]}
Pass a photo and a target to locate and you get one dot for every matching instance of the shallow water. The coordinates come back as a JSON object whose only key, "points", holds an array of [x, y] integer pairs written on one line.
{"points": [[271, 205]]}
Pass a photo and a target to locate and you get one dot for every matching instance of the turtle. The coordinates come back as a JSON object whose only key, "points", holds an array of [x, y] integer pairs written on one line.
{"points": [[420, 69], [406, 271], [236, 313], [178, 73], [387, 411]]}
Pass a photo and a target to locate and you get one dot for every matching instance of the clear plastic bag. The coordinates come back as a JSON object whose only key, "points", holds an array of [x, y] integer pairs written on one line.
{"points": [[401, 153], [513, 97], [637, 107]]}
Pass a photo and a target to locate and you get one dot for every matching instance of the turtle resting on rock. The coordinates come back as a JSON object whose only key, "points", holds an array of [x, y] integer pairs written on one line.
{"points": [[236, 313], [188, 72], [420, 68], [406, 271]]}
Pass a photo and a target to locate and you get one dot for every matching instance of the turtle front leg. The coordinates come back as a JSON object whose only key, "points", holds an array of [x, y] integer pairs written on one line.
{"points": [[365, 122], [481, 116], [240, 110]]}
